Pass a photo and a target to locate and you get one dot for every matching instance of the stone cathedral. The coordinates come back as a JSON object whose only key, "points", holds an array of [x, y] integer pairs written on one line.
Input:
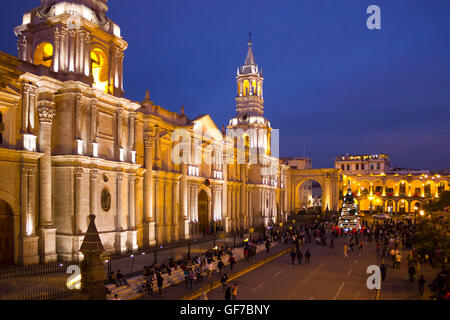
{"points": [[72, 145]]}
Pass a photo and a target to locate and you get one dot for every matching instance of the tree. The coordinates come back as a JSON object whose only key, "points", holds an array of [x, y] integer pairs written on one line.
{"points": [[433, 237], [440, 203]]}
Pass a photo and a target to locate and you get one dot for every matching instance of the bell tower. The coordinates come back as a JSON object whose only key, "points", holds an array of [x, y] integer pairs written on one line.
{"points": [[76, 41], [250, 104]]}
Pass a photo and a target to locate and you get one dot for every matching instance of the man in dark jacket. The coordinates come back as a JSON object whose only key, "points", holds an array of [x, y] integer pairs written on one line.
{"points": [[299, 256], [307, 257], [293, 255]]}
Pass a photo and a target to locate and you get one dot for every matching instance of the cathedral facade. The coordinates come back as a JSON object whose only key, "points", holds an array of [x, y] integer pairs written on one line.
{"points": [[72, 145]]}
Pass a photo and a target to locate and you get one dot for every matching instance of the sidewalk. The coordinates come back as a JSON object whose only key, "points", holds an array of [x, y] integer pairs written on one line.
{"points": [[128, 267], [181, 290], [174, 285]]}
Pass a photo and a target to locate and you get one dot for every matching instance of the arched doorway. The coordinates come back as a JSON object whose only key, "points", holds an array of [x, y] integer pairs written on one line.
{"points": [[203, 220], [6, 234], [308, 196]]}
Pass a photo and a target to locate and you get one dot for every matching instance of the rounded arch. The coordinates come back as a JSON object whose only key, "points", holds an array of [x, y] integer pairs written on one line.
{"points": [[100, 68], [390, 206], [306, 197], [429, 188], [416, 188], [9, 229], [402, 206], [204, 210], [416, 206], [43, 54]]}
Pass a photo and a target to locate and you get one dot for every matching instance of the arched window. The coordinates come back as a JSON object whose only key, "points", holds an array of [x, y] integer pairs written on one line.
{"points": [[246, 88], [100, 69], [43, 54]]}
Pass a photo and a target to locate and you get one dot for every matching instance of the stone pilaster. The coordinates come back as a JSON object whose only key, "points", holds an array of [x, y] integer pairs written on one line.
{"points": [[47, 232], [121, 232], [149, 219], [184, 227], [28, 246], [132, 231]]}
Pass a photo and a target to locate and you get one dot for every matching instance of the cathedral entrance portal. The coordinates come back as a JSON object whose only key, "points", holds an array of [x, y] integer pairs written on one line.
{"points": [[203, 212], [6, 234]]}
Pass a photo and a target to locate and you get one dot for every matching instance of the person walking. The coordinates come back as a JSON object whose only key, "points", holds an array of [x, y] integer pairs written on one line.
{"points": [[360, 245], [331, 242], [234, 291], [228, 293], [421, 283], [159, 282], [383, 272], [299, 256], [220, 265], [411, 272], [293, 255], [232, 262], [345, 250], [267, 246], [224, 280], [307, 257]]}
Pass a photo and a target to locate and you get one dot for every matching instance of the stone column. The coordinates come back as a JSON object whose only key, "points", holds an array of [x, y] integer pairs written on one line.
{"points": [[176, 210], [78, 174], [149, 219], [131, 138], [120, 114], [167, 209], [93, 133], [63, 49], [184, 197], [28, 245], [78, 227], [56, 38], [243, 203], [87, 54], [132, 231], [93, 194], [72, 37], [121, 233], [47, 231]]}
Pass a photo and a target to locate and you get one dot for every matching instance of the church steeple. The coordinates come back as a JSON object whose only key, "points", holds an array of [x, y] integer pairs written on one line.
{"points": [[250, 102]]}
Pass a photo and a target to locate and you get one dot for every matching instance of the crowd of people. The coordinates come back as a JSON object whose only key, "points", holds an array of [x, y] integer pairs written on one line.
{"points": [[390, 237]]}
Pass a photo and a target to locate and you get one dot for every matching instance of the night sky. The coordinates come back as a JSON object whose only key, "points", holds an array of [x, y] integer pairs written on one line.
{"points": [[330, 83]]}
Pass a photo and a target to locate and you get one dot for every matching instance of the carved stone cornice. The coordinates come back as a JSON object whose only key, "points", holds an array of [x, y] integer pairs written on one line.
{"points": [[46, 111]]}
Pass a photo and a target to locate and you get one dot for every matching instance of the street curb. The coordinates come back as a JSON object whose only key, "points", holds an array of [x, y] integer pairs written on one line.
{"points": [[197, 293]]}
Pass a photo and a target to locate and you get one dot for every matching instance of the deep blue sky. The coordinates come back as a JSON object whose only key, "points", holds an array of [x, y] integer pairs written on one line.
{"points": [[330, 83]]}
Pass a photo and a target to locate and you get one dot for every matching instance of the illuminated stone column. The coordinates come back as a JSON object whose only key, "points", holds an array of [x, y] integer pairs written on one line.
{"points": [[121, 229], [149, 219], [93, 191], [72, 40], [131, 136], [87, 54], [63, 49], [28, 241], [132, 231], [243, 204], [47, 235], [195, 206], [56, 54], [93, 132], [184, 197], [78, 175], [167, 209], [176, 210]]}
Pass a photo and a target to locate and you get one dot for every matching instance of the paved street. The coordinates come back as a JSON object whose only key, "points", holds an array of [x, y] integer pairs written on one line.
{"points": [[329, 277]]}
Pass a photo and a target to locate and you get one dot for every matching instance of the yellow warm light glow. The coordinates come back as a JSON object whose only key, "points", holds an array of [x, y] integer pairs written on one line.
{"points": [[100, 70], [422, 213], [246, 87], [43, 54]]}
